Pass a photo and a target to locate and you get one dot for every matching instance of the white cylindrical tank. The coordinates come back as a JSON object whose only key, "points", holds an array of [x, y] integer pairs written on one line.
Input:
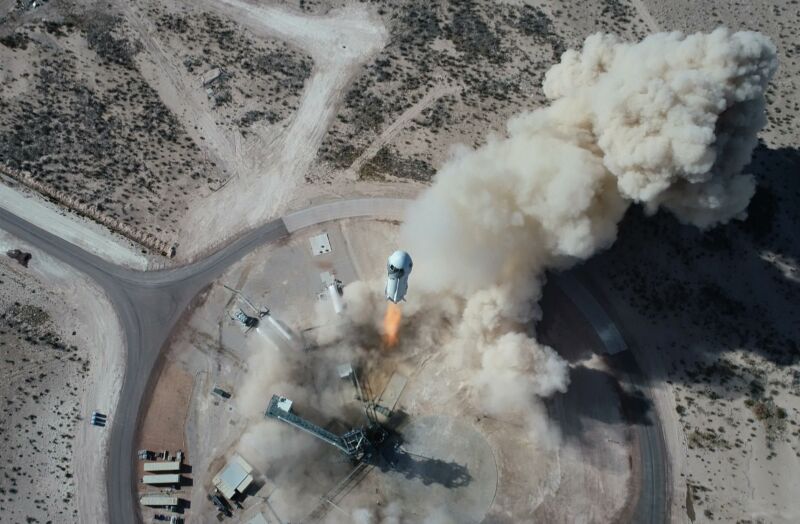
{"points": [[336, 298]]}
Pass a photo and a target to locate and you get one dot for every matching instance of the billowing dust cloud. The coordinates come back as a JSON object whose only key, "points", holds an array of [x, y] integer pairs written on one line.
{"points": [[668, 122]]}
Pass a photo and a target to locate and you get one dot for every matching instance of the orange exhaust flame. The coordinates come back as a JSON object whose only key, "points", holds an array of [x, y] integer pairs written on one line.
{"points": [[391, 325]]}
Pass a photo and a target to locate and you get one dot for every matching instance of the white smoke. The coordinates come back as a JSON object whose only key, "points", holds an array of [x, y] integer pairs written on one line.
{"points": [[670, 121], [674, 117]]}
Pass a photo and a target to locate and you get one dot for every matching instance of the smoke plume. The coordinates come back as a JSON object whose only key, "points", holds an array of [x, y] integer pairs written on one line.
{"points": [[668, 122]]}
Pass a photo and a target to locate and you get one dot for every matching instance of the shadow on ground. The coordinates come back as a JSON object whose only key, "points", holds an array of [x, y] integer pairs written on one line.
{"points": [[707, 292], [393, 457]]}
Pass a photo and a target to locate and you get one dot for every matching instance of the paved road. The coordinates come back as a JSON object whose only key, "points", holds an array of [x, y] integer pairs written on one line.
{"points": [[605, 328], [652, 504], [149, 304]]}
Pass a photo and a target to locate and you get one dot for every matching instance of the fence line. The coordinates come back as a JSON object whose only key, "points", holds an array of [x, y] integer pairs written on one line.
{"points": [[143, 238]]}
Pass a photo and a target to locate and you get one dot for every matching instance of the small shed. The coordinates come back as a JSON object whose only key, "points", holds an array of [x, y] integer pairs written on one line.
{"points": [[320, 244], [285, 404], [221, 392], [234, 478], [344, 370]]}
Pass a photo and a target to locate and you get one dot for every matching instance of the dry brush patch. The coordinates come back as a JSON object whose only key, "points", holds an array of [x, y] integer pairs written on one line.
{"points": [[43, 378], [496, 54], [141, 237], [76, 113], [261, 79]]}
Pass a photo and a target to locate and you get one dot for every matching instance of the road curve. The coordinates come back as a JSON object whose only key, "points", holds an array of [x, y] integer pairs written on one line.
{"points": [[149, 304], [652, 504]]}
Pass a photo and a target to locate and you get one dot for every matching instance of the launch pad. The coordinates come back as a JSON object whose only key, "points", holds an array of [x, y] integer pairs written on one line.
{"points": [[356, 443], [389, 432], [433, 460]]}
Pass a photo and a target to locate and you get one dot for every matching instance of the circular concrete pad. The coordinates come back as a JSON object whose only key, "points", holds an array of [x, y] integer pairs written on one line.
{"points": [[442, 465]]}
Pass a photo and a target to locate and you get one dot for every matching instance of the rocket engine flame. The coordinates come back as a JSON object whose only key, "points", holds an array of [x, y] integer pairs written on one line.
{"points": [[391, 324]]}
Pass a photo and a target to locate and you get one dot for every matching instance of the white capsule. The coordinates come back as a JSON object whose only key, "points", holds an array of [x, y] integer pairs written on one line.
{"points": [[398, 268]]}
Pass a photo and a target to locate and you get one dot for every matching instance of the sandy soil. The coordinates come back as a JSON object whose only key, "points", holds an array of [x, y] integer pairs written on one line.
{"points": [[60, 368], [406, 83], [261, 166], [79, 117], [163, 427], [163, 424], [728, 411], [84, 233], [267, 178], [710, 316]]}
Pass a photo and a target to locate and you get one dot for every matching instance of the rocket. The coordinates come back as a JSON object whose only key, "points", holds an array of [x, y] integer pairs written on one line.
{"points": [[398, 268]]}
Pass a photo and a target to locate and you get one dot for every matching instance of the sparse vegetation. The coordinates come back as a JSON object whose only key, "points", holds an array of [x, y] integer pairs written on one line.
{"points": [[771, 416], [465, 47], [110, 141], [262, 78], [42, 382], [99, 28]]}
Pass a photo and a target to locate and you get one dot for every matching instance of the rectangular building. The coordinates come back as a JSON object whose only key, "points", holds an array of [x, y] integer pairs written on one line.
{"points": [[162, 479], [159, 501], [235, 478], [162, 466]]}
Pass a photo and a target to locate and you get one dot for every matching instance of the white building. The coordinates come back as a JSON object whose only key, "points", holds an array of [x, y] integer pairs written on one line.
{"points": [[159, 500], [234, 478], [160, 480], [162, 466]]}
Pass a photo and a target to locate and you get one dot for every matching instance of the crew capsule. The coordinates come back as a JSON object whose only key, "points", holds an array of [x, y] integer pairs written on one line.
{"points": [[398, 268]]}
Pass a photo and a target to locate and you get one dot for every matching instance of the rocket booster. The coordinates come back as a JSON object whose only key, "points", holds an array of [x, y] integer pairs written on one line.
{"points": [[398, 268]]}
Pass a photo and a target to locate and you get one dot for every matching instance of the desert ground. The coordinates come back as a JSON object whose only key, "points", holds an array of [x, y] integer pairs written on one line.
{"points": [[62, 359], [126, 126], [711, 320]]}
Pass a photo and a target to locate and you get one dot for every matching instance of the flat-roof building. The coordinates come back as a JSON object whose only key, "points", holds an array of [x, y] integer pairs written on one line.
{"points": [[162, 466], [159, 500], [162, 479], [234, 478]]}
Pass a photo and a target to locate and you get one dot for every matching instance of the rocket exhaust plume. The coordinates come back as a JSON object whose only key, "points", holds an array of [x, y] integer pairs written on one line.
{"points": [[391, 324], [669, 122]]}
